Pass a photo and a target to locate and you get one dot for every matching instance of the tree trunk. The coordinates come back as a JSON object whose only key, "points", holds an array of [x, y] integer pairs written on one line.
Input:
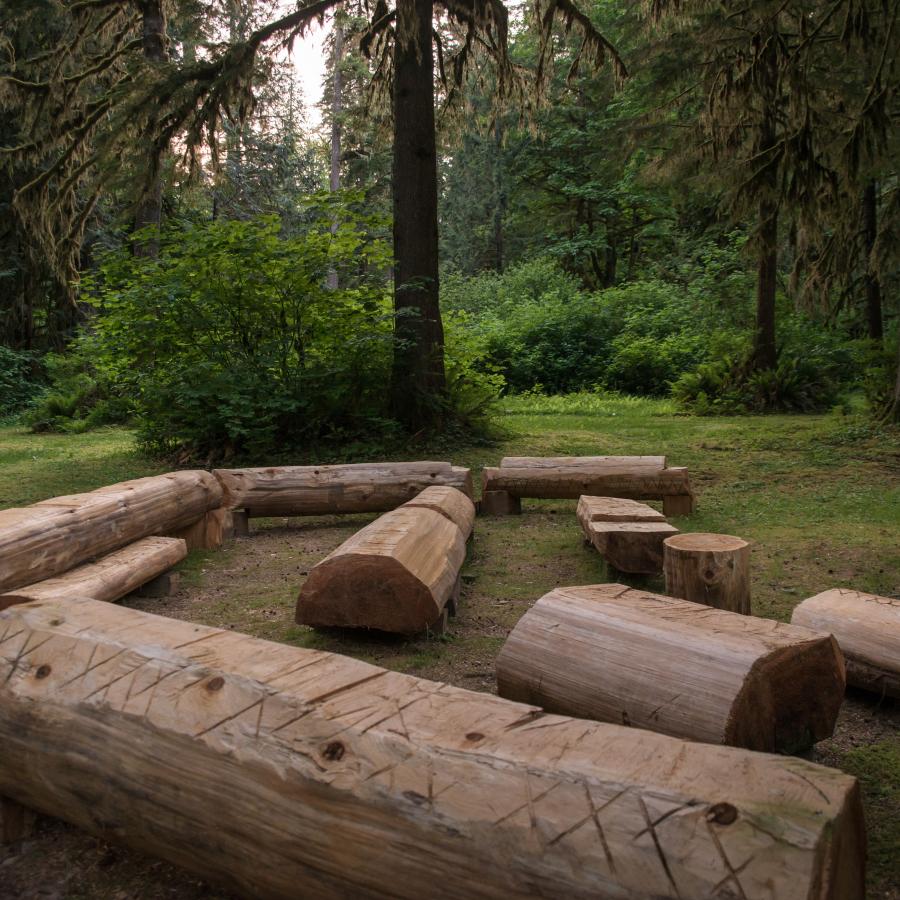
{"points": [[337, 87], [419, 381], [875, 325], [764, 353], [499, 195], [149, 208]]}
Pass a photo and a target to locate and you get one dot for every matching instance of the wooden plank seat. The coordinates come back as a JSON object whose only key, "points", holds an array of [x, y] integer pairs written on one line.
{"points": [[570, 477], [867, 628], [322, 490], [284, 772], [397, 574], [49, 538], [615, 654], [109, 578]]}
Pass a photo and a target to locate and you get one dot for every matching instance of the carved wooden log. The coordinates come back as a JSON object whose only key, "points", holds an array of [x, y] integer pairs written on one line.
{"points": [[47, 539], [867, 628], [612, 509], [614, 654], [451, 503], [712, 569], [633, 547], [396, 574], [637, 478], [320, 490], [109, 578], [283, 772]]}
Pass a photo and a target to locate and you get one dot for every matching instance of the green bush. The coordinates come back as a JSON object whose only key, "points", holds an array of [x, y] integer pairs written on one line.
{"points": [[21, 379]]}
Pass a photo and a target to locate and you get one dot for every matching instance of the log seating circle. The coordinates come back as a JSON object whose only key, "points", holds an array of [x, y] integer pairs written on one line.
{"points": [[348, 779]]}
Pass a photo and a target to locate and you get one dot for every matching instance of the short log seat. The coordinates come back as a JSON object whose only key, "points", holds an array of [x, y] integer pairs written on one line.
{"points": [[570, 477], [109, 578], [397, 574], [283, 772], [867, 628], [51, 537], [614, 654], [324, 490]]}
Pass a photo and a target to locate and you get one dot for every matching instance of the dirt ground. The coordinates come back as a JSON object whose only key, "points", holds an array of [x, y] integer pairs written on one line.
{"points": [[251, 586]]}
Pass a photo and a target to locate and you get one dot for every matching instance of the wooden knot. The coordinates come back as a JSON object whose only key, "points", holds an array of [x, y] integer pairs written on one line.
{"points": [[42, 672], [215, 684], [474, 736], [333, 751], [722, 814]]}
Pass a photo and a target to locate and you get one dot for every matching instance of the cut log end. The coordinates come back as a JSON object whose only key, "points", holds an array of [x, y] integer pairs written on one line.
{"points": [[712, 569]]}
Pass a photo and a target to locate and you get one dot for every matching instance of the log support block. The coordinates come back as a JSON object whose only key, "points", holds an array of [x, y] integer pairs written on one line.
{"points": [[614, 654], [301, 773], [162, 586], [712, 569], [867, 628], [16, 821], [678, 504], [210, 531], [241, 521], [499, 503]]}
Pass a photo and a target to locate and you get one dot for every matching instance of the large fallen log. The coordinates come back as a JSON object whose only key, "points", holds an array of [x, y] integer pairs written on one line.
{"points": [[320, 490], [631, 477], [284, 772], [396, 574], [610, 653], [867, 629], [109, 578], [47, 539], [451, 503]]}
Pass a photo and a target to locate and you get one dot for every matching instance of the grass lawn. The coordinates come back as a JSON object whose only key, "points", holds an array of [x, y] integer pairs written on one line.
{"points": [[819, 497]]}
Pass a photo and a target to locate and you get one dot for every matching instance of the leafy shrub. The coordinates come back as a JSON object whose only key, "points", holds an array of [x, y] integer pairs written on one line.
{"points": [[20, 380]]}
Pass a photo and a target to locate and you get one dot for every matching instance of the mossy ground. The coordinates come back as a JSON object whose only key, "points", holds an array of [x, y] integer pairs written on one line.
{"points": [[819, 497]]}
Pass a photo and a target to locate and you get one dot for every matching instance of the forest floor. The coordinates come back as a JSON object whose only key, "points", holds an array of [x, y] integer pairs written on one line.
{"points": [[818, 496]]}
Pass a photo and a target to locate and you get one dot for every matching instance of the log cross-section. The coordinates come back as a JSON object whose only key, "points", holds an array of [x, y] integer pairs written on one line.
{"points": [[396, 574], [610, 653], [283, 772], [867, 628]]}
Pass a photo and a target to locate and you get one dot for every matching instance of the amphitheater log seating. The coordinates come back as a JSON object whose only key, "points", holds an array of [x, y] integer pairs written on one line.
{"points": [[570, 477], [301, 773], [396, 574], [614, 654], [867, 628], [109, 578], [322, 490]]}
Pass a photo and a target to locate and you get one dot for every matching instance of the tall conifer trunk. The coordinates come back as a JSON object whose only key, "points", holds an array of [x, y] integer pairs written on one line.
{"points": [[337, 89], [149, 208], [764, 352], [874, 322], [418, 376]]}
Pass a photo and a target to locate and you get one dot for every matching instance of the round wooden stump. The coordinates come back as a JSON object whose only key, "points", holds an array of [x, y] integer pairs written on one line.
{"points": [[713, 569]]}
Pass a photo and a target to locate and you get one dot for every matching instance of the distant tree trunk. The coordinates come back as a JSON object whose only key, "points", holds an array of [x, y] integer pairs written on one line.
{"points": [[499, 195], [337, 88], [611, 260], [419, 381], [875, 325], [764, 352], [149, 208]]}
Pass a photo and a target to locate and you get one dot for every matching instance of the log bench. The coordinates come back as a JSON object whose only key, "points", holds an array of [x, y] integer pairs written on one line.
{"points": [[867, 628], [569, 477], [297, 772], [398, 573], [51, 537], [109, 578], [614, 654], [627, 534], [323, 490]]}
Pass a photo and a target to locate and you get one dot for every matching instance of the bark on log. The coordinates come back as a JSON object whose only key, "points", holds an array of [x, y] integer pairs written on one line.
{"points": [[614, 478], [451, 503], [321, 490], [290, 772], [613, 509], [867, 629], [396, 574], [109, 578], [614, 654], [633, 547], [47, 539], [712, 569]]}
